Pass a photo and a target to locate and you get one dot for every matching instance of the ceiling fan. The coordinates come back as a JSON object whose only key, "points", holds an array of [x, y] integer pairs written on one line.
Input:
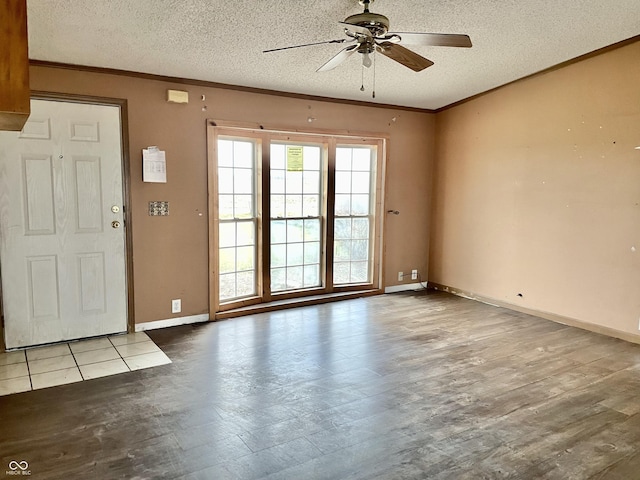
{"points": [[368, 33]]}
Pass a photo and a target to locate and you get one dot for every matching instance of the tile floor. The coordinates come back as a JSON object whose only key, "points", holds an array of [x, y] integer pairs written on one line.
{"points": [[43, 367]]}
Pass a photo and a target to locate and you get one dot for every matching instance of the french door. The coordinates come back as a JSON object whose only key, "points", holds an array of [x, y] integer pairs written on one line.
{"points": [[292, 214]]}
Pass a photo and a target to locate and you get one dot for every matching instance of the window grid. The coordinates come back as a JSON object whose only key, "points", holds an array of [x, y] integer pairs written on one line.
{"points": [[237, 220], [353, 220]]}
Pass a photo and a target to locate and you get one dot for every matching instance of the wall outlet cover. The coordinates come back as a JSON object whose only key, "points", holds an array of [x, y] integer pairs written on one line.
{"points": [[176, 306]]}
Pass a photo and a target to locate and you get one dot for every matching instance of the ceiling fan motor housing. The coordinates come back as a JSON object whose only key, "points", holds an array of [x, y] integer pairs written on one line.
{"points": [[377, 24]]}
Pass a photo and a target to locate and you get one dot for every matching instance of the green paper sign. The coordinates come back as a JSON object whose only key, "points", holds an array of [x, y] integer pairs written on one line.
{"points": [[294, 159]]}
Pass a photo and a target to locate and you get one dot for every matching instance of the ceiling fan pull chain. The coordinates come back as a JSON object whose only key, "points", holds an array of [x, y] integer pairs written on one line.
{"points": [[373, 94], [362, 82]]}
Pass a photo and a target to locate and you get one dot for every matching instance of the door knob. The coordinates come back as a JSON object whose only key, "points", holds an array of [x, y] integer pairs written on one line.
{"points": [[115, 224], [115, 209]]}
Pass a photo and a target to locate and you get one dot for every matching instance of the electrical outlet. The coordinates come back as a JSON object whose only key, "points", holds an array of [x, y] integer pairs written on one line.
{"points": [[414, 274], [400, 276], [176, 305]]}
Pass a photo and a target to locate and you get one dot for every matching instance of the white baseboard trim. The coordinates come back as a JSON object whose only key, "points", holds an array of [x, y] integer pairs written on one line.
{"points": [[554, 317], [404, 288], [172, 322]]}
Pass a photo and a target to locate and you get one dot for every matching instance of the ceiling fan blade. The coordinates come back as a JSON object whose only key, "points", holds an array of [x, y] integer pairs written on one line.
{"points": [[341, 40], [338, 59], [357, 29], [431, 39], [404, 56]]}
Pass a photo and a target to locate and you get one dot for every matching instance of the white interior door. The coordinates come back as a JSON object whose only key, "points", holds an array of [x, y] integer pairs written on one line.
{"points": [[62, 259]]}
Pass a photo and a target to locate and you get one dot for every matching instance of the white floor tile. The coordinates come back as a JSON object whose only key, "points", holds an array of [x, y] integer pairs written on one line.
{"points": [[140, 348], [14, 370], [129, 338], [51, 364], [39, 353], [95, 356], [59, 377], [10, 358], [88, 345], [147, 360], [103, 369], [15, 385]]}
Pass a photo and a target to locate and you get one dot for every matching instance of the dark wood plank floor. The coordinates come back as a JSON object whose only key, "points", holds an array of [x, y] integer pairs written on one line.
{"points": [[422, 385]]}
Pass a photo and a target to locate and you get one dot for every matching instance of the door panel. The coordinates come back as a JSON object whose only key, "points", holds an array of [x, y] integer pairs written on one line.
{"points": [[63, 265]]}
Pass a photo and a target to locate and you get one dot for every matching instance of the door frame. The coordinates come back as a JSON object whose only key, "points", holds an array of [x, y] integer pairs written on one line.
{"points": [[121, 103]]}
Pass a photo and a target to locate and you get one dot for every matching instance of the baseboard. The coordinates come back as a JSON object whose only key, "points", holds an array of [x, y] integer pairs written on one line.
{"points": [[554, 317], [172, 322], [404, 288]]}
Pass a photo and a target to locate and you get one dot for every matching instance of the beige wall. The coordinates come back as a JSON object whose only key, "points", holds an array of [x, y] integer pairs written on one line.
{"points": [[537, 192], [170, 253]]}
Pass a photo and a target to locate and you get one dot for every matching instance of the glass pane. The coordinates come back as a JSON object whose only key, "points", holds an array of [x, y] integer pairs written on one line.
{"points": [[278, 255], [277, 181], [360, 228], [342, 228], [236, 200], [245, 258], [277, 206], [310, 206], [246, 234], [360, 205], [312, 252], [243, 154], [294, 277], [341, 273], [245, 283], [278, 156], [294, 182], [227, 260], [360, 182], [295, 232], [227, 235], [360, 272], [243, 206], [343, 159], [225, 180], [293, 206], [225, 153], [342, 250], [359, 250], [343, 182], [295, 253], [362, 159], [311, 182], [311, 158], [242, 180], [278, 279], [311, 276], [343, 204], [311, 230], [227, 286], [225, 207], [278, 231]]}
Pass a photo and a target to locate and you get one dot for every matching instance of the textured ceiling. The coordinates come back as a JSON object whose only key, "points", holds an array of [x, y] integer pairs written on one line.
{"points": [[222, 41]]}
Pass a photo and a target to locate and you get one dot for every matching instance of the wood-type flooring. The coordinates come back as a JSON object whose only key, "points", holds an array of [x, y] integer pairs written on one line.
{"points": [[404, 386]]}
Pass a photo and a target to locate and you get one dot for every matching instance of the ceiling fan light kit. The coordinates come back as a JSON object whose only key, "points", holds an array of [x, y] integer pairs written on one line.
{"points": [[370, 34]]}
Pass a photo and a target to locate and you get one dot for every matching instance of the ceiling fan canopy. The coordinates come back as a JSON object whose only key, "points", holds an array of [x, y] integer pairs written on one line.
{"points": [[369, 32]]}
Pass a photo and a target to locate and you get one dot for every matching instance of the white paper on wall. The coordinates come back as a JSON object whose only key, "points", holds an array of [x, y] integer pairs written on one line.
{"points": [[154, 165]]}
